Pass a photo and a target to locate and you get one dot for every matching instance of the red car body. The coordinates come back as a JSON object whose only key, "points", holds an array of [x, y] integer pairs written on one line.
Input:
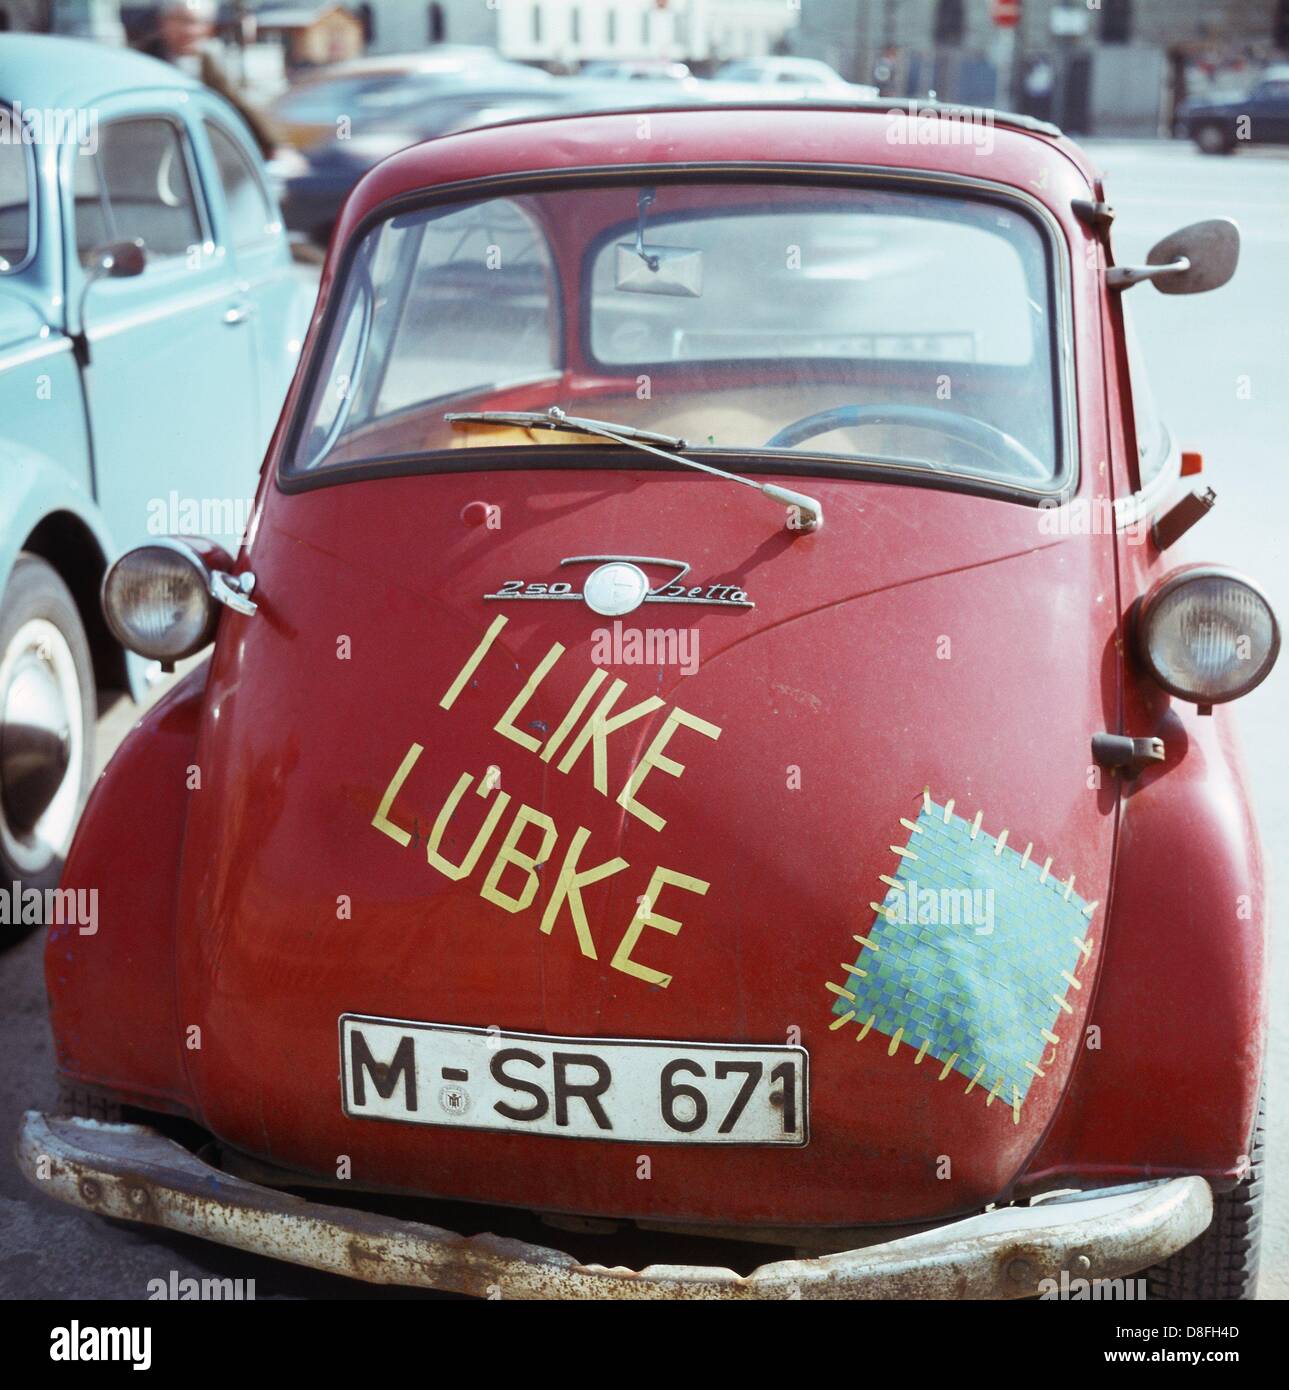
{"points": [[241, 812]]}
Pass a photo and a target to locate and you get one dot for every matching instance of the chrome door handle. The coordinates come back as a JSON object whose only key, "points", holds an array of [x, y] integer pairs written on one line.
{"points": [[239, 312]]}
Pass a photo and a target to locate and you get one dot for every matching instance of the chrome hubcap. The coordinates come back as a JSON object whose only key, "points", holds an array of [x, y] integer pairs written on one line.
{"points": [[41, 745]]}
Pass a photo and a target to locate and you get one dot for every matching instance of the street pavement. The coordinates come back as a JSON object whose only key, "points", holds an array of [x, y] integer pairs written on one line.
{"points": [[1220, 370]]}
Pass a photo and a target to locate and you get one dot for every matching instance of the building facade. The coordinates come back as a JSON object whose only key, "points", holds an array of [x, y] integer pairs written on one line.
{"points": [[1094, 66], [564, 33]]}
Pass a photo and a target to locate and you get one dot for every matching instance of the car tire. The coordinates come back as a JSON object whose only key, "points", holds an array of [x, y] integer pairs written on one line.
{"points": [[1213, 138], [1222, 1264], [47, 713]]}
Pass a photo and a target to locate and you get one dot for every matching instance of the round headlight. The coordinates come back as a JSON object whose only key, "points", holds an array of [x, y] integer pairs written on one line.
{"points": [[157, 601], [1207, 634]]}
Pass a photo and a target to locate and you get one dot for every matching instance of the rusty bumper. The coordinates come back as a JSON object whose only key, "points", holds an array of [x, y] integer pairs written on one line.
{"points": [[136, 1174]]}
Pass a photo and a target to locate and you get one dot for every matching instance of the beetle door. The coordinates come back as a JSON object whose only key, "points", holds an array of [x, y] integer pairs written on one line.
{"points": [[171, 375], [269, 288]]}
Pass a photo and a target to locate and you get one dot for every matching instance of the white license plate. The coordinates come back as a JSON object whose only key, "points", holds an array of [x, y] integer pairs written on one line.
{"points": [[582, 1088]]}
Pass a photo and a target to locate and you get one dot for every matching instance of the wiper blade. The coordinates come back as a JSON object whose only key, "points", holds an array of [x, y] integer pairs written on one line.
{"points": [[555, 419], [808, 512]]}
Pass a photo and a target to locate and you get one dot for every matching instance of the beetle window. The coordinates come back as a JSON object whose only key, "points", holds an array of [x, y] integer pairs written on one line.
{"points": [[137, 185], [15, 198], [843, 322], [250, 214]]}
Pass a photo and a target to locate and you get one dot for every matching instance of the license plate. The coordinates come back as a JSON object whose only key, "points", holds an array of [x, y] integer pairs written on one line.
{"points": [[582, 1088]]}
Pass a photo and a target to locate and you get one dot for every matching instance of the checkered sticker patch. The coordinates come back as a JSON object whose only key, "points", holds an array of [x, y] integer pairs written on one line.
{"points": [[971, 954]]}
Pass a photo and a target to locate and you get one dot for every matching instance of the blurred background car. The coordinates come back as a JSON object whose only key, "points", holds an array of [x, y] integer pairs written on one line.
{"points": [[811, 74], [642, 70], [1214, 123], [317, 107], [313, 183]]}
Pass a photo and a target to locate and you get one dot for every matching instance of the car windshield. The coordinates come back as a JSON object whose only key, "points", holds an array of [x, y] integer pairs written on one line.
{"points": [[841, 322]]}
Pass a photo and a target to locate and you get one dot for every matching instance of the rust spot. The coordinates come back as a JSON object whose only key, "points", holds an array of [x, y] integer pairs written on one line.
{"points": [[90, 1190], [360, 1253]]}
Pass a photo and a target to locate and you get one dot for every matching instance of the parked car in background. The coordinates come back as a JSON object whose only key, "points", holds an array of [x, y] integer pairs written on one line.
{"points": [[1219, 125], [315, 182], [641, 70], [809, 73], [644, 659], [150, 320], [347, 95]]}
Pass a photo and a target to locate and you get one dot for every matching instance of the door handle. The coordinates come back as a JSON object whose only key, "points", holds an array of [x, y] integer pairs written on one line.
{"points": [[239, 312]]}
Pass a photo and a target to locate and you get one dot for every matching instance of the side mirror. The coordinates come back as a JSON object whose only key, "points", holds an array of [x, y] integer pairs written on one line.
{"points": [[114, 260], [1191, 260]]}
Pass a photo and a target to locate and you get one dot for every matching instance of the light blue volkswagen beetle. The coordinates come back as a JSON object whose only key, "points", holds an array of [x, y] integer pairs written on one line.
{"points": [[150, 319]]}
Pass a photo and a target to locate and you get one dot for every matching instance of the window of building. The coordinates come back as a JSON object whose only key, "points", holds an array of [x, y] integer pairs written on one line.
{"points": [[1116, 21], [950, 20]]}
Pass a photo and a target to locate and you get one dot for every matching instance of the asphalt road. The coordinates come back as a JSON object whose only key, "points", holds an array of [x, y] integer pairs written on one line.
{"points": [[1220, 366]]}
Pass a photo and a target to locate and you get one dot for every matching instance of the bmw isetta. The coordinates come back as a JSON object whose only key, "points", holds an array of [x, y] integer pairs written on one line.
{"points": [[558, 827]]}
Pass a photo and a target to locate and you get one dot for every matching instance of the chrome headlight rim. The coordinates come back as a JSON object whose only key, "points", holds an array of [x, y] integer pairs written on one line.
{"points": [[202, 572], [1166, 585]]}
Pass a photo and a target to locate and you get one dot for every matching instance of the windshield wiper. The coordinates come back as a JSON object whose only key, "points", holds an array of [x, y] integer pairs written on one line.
{"points": [[809, 514]]}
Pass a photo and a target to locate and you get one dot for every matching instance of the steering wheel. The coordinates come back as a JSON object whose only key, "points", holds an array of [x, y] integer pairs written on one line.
{"points": [[976, 434]]}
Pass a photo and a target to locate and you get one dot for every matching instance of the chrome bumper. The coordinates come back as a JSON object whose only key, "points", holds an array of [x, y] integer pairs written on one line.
{"points": [[135, 1174]]}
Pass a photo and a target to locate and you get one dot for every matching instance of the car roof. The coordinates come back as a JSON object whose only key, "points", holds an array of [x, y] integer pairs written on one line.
{"points": [[49, 70], [830, 134]]}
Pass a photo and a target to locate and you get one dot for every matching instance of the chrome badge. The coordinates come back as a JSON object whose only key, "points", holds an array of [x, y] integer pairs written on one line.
{"points": [[615, 588], [618, 585]]}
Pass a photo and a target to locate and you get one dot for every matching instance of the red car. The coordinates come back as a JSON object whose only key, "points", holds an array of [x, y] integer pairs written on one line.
{"points": [[863, 868]]}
